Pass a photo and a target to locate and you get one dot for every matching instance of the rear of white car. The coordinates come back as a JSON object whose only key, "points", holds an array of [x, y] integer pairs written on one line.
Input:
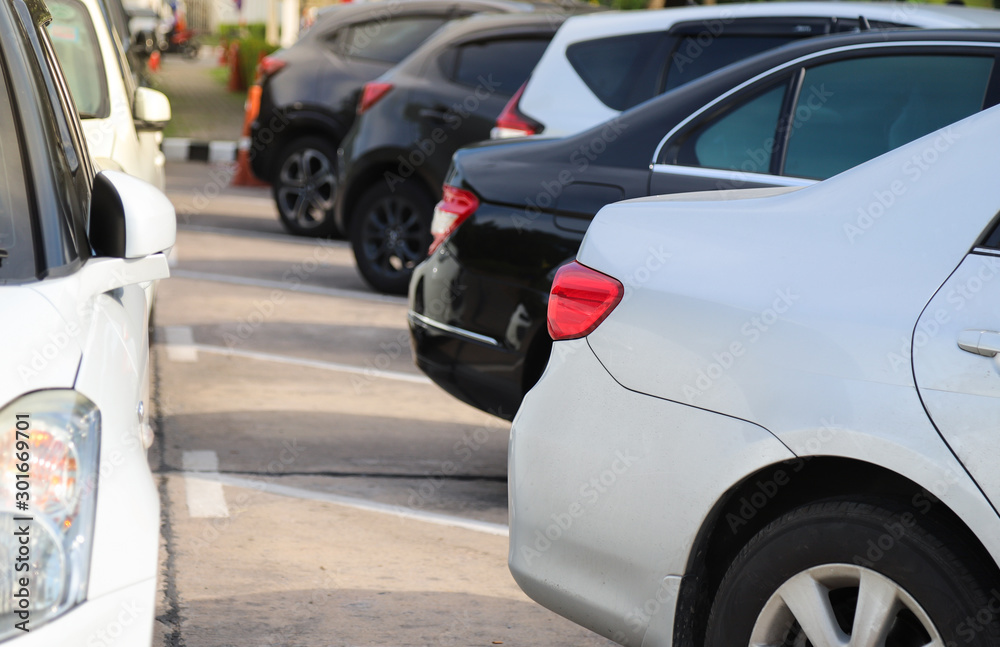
{"points": [[760, 363], [601, 64]]}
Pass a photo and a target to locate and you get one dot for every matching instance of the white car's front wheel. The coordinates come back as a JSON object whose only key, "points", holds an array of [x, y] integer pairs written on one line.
{"points": [[852, 574]]}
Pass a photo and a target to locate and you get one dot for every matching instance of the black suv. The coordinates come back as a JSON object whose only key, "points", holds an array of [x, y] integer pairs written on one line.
{"points": [[411, 120], [310, 91], [788, 117]]}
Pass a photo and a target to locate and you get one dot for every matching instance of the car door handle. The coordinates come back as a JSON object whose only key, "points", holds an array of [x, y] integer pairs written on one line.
{"points": [[980, 342], [436, 114]]}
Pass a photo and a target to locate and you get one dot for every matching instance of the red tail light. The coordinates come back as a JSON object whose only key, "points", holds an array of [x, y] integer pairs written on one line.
{"points": [[269, 66], [455, 207], [512, 122], [371, 94], [580, 299]]}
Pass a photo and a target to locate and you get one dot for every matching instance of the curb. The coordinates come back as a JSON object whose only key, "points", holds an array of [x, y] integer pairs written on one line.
{"points": [[180, 149]]}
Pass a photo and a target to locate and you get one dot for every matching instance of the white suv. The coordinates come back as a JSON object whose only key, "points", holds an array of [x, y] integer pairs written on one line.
{"points": [[122, 122], [601, 64]]}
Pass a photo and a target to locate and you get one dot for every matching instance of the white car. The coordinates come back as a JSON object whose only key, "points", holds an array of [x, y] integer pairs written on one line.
{"points": [[79, 510], [123, 123], [601, 64], [771, 416]]}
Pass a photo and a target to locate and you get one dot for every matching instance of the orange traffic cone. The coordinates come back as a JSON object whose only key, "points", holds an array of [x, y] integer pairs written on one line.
{"points": [[154, 61], [243, 175]]}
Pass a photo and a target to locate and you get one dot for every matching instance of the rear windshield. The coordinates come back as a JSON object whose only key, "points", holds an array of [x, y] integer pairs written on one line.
{"points": [[75, 41]]}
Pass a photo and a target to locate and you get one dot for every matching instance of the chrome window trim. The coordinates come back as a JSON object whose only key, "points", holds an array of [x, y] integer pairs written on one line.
{"points": [[799, 61], [727, 174]]}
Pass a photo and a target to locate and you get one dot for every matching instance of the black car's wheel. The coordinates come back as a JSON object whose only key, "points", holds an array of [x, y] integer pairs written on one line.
{"points": [[304, 187], [390, 234], [851, 574]]}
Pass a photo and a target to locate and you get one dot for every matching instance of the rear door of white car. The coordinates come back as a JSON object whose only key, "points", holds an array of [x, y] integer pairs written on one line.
{"points": [[956, 363]]}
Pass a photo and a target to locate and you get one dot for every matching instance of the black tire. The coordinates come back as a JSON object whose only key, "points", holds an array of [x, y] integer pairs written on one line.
{"points": [[836, 548], [304, 185], [390, 234]]}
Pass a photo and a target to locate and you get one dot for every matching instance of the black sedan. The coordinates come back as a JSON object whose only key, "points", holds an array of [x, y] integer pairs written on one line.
{"points": [[448, 94], [513, 213], [309, 93]]}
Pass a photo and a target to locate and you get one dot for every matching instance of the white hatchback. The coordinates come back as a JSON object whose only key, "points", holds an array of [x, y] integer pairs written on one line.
{"points": [[123, 123], [771, 416], [601, 64]]}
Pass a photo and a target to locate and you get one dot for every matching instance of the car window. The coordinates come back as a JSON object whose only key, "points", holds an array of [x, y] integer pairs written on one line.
{"points": [[621, 71], [390, 41], [17, 257], [741, 139], [75, 41], [505, 64], [851, 111], [691, 60]]}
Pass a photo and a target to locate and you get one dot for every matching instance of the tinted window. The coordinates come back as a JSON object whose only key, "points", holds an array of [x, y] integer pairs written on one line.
{"points": [[742, 139], [621, 71], [17, 258], [503, 65], [75, 41], [390, 41], [692, 59], [851, 111]]}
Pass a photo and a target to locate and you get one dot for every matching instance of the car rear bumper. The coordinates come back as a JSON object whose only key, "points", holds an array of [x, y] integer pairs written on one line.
{"points": [[609, 489], [473, 368], [470, 336], [123, 618]]}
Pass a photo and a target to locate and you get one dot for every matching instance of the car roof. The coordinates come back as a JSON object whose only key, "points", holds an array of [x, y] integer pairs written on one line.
{"points": [[341, 12], [587, 27], [477, 26]]}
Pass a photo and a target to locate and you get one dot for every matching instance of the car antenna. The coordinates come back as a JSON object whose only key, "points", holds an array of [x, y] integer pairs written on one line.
{"points": [[863, 24]]}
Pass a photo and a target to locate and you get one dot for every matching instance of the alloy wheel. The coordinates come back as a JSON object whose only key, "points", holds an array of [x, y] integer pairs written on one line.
{"points": [[307, 183]]}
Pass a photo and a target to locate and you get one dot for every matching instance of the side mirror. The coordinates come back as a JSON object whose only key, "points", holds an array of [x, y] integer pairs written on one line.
{"points": [[129, 218], [151, 109]]}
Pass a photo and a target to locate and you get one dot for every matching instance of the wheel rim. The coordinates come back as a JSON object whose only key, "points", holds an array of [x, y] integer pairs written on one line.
{"points": [[306, 188], [842, 605], [392, 236]]}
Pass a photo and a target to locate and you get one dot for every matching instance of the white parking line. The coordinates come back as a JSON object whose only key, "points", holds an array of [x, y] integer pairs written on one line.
{"points": [[401, 512], [263, 235], [205, 498], [180, 344], [291, 287], [312, 363]]}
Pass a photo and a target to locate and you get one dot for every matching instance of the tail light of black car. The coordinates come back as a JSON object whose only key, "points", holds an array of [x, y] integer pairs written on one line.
{"points": [[268, 67], [455, 207], [580, 299], [514, 123], [371, 94]]}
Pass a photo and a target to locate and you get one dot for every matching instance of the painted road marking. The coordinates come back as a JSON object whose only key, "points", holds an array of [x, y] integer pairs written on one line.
{"points": [[373, 373], [291, 287], [205, 498], [399, 511], [180, 344]]}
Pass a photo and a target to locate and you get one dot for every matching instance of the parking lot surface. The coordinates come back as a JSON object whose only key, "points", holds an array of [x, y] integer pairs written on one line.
{"points": [[316, 488]]}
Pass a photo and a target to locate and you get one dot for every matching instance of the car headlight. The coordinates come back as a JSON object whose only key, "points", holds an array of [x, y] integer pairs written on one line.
{"points": [[49, 442]]}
